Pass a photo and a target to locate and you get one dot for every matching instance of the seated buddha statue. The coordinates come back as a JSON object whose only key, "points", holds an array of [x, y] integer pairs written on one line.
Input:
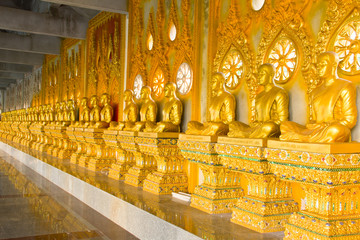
{"points": [[148, 111], [95, 111], [106, 113], [221, 110], [71, 115], [332, 105], [84, 113], [172, 112], [271, 108], [58, 112], [51, 113], [130, 114]]}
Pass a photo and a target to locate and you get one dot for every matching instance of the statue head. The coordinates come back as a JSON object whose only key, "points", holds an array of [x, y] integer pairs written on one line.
{"points": [[266, 74], [170, 89], [57, 106], [94, 101], [70, 104], [327, 64], [128, 95], [63, 105], [84, 102], [217, 82], [105, 99], [145, 93]]}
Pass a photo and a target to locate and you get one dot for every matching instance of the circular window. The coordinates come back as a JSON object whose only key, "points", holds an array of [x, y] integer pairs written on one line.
{"points": [[257, 4], [233, 68], [138, 84], [347, 46], [158, 83], [184, 78], [284, 58], [150, 42], [172, 31]]}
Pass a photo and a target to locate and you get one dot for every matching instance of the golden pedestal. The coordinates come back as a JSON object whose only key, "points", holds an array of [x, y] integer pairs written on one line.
{"points": [[170, 176], [38, 131], [81, 145], [221, 187], [48, 139], [144, 164], [61, 149], [124, 161], [16, 131], [268, 204], [54, 142], [97, 155], [329, 175], [24, 127]]}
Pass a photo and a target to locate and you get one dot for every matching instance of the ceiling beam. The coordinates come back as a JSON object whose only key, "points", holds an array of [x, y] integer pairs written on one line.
{"points": [[9, 67], [118, 6], [7, 80], [21, 57], [11, 75], [31, 43], [19, 20]]}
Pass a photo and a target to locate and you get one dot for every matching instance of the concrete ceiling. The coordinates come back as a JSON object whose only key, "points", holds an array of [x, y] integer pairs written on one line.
{"points": [[29, 29]]}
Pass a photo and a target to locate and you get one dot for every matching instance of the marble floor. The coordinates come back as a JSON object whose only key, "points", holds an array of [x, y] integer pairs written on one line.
{"points": [[80, 222], [33, 208]]}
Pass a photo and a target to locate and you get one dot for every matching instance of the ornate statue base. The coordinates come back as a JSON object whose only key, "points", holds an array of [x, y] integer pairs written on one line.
{"points": [[48, 140], [221, 188], [123, 161], [81, 149], [268, 204], [63, 149], [329, 175], [170, 176], [94, 143], [144, 164], [54, 141]]}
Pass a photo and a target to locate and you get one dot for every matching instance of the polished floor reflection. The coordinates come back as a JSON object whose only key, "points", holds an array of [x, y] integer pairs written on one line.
{"points": [[33, 208], [165, 207]]}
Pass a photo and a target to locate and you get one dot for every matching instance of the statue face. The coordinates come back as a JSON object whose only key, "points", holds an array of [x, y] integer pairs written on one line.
{"points": [[215, 82], [83, 102], [144, 94], [93, 101], [167, 91], [324, 67], [127, 96], [264, 76]]}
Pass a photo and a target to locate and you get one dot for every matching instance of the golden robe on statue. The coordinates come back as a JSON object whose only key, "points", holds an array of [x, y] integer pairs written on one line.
{"points": [[332, 108]]}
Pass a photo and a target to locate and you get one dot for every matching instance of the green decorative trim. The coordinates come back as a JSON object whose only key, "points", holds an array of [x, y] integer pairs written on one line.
{"points": [[222, 199], [244, 158], [324, 220], [316, 168], [278, 201], [203, 153]]}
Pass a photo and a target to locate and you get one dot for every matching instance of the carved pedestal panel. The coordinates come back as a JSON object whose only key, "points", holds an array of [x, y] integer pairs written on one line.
{"points": [[221, 187], [144, 164], [169, 176], [329, 175], [124, 160], [80, 147], [268, 203], [98, 156], [37, 130], [54, 141], [59, 150]]}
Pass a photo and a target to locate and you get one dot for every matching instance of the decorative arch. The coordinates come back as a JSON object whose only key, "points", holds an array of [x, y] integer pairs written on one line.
{"points": [[284, 54], [341, 33]]}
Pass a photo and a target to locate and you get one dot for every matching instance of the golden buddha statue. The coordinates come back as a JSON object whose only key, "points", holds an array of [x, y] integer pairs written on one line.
{"points": [[131, 112], [333, 109], [148, 111], [64, 112], [172, 113], [84, 113], [71, 115], [95, 111], [221, 110], [106, 112], [58, 115], [51, 113], [271, 108]]}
